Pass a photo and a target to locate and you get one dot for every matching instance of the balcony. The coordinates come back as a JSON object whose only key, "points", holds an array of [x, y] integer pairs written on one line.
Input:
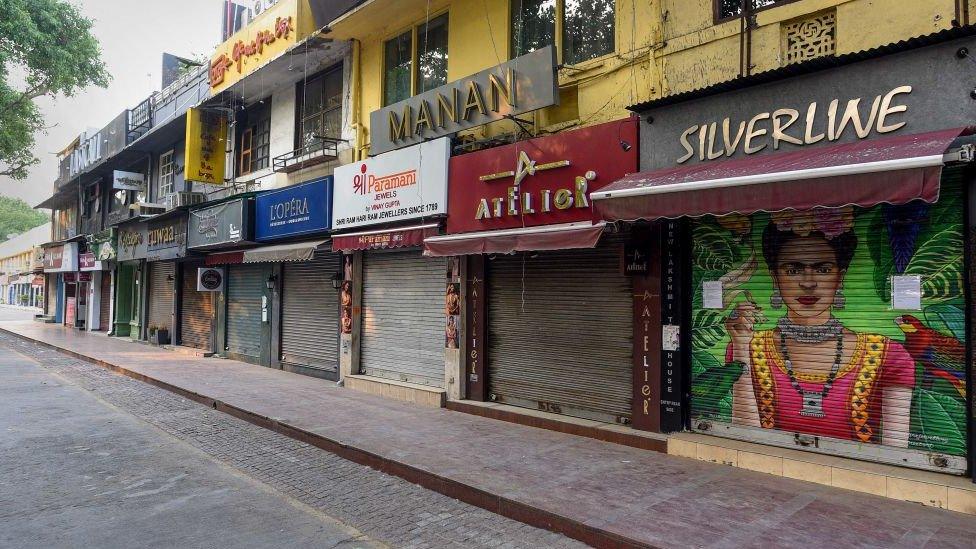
{"points": [[319, 150]]}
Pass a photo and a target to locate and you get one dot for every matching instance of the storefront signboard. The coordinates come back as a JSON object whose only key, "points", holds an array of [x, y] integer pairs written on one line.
{"points": [[206, 139], [62, 258], [860, 101], [104, 246], [522, 85], [210, 279], [132, 241], [222, 225], [294, 211], [166, 238], [129, 181], [542, 181], [405, 184]]}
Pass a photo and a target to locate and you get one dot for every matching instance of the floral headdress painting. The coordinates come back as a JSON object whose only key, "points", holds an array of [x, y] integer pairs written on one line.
{"points": [[831, 222]]}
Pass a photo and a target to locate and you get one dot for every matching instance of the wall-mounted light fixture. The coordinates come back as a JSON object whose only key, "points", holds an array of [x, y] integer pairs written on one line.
{"points": [[336, 280], [272, 279]]}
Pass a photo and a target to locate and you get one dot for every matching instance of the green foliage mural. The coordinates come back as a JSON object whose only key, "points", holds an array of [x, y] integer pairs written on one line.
{"points": [[864, 371]]}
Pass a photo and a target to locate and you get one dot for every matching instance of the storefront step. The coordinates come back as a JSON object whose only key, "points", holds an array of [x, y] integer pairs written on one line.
{"points": [[928, 488], [422, 395], [607, 432], [190, 351]]}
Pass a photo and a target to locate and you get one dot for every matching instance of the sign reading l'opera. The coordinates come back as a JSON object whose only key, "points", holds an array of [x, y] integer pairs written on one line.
{"points": [[522, 85]]}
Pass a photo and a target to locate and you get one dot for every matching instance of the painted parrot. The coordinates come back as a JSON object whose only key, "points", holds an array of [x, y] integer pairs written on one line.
{"points": [[942, 356]]}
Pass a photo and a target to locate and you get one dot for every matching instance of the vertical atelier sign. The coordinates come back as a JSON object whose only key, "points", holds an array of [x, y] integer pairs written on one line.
{"points": [[474, 333], [641, 261], [672, 321]]}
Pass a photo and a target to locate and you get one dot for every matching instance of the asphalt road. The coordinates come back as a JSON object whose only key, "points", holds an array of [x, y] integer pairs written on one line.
{"points": [[78, 472]]}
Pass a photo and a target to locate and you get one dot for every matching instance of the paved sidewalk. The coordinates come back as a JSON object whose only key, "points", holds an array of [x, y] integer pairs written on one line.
{"points": [[592, 490]]}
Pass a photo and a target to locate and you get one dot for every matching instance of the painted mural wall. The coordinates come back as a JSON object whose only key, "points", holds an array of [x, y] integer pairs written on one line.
{"points": [[796, 325]]}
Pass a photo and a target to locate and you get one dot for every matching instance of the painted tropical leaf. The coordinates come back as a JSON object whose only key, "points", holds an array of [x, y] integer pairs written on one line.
{"points": [[939, 262], [711, 387], [715, 248], [938, 422], [947, 319], [884, 263], [708, 327]]}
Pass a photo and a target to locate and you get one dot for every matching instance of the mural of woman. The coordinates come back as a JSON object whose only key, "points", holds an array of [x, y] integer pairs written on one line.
{"points": [[811, 374]]}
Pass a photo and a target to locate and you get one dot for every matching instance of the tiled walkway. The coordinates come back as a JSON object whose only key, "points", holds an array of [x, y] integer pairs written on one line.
{"points": [[608, 491]]}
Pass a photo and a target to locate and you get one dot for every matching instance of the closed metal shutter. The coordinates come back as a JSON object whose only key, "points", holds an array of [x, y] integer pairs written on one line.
{"points": [[162, 294], [403, 317], [877, 382], [310, 313], [560, 332], [246, 285], [196, 316], [105, 302]]}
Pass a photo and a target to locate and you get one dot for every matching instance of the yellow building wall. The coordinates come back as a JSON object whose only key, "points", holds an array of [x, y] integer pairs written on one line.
{"points": [[598, 90], [699, 53], [663, 47]]}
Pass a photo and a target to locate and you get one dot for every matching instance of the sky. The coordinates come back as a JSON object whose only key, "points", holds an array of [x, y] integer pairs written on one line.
{"points": [[134, 34]]}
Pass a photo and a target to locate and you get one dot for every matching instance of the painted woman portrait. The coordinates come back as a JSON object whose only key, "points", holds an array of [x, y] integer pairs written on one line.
{"points": [[811, 374], [807, 337]]}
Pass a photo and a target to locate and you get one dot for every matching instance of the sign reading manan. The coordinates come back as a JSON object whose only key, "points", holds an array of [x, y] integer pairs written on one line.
{"points": [[522, 85]]}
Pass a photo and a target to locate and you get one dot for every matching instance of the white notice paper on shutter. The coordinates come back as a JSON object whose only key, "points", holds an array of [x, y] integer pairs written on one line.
{"points": [[712, 294], [906, 292]]}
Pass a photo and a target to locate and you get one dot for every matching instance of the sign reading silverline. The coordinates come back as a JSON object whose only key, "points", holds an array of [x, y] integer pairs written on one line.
{"points": [[524, 84]]}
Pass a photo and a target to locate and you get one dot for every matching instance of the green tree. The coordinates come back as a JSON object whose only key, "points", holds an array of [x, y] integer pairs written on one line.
{"points": [[16, 216], [46, 49]]}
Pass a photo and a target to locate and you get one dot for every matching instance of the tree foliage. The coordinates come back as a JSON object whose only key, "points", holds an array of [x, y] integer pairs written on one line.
{"points": [[46, 49], [16, 216]]}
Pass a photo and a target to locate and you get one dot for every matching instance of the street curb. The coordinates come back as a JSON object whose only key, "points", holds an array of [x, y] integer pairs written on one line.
{"points": [[471, 495]]}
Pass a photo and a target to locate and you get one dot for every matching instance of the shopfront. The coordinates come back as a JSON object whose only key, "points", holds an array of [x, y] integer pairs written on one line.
{"points": [[385, 207], [133, 238], [548, 301], [61, 263], [820, 222], [293, 223], [165, 248], [244, 310], [99, 260]]}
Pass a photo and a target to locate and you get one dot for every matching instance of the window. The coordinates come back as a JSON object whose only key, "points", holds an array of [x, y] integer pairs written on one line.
{"points": [[167, 175], [92, 203], [588, 28], [427, 45], [727, 9], [321, 108], [254, 139]]}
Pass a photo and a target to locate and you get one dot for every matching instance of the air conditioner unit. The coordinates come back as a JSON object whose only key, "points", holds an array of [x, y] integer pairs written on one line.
{"points": [[184, 198]]}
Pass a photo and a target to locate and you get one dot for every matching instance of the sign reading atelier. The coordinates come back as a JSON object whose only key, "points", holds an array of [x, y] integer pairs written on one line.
{"points": [[542, 181], [206, 140], [294, 211], [396, 186], [522, 85]]}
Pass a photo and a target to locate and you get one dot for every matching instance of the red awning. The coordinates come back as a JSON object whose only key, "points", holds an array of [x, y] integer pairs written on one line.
{"points": [[224, 258], [894, 170], [549, 237], [385, 238]]}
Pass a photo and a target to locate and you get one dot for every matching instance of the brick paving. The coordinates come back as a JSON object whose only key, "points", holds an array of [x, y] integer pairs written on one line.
{"points": [[383, 507], [594, 489]]}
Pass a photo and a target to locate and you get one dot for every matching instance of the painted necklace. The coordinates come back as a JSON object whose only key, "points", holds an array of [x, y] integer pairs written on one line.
{"points": [[812, 400]]}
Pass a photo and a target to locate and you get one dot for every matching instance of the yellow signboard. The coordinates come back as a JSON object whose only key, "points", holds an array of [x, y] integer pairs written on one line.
{"points": [[206, 142], [269, 35]]}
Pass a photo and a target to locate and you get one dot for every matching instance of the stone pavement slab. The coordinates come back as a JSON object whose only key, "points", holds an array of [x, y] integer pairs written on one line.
{"points": [[599, 492]]}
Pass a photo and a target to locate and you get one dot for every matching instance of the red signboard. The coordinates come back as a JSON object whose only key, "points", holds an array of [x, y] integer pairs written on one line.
{"points": [[53, 257], [393, 238], [86, 260], [38, 281], [542, 181], [69, 311]]}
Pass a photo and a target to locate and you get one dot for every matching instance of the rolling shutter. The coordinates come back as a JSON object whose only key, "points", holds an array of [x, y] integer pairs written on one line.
{"points": [[560, 332], [246, 285], [105, 302], [310, 313], [403, 317], [897, 395], [196, 316], [162, 294]]}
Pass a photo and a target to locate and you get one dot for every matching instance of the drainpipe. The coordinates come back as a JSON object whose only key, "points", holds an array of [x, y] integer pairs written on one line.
{"points": [[354, 96]]}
